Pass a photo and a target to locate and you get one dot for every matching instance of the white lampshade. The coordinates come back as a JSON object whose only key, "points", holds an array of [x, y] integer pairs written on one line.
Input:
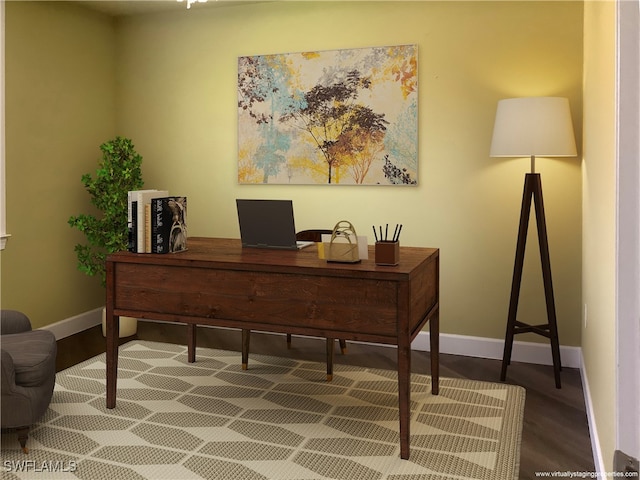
{"points": [[533, 126]]}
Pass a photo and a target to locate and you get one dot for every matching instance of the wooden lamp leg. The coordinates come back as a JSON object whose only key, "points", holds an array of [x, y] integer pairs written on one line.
{"points": [[532, 189], [552, 326]]}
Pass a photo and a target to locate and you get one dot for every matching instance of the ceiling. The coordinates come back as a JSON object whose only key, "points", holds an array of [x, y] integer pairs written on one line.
{"points": [[134, 7]]}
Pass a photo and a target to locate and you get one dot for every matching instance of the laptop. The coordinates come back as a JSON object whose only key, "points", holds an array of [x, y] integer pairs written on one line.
{"points": [[268, 224]]}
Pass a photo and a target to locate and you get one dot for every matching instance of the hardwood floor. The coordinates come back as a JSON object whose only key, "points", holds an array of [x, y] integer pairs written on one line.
{"points": [[555, 434]]}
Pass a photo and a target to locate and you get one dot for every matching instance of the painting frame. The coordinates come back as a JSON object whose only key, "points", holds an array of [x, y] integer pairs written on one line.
{"points": [[332, 117]]}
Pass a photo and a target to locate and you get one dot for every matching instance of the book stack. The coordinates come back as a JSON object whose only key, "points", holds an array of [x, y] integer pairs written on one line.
{"points": [[157, 222]]}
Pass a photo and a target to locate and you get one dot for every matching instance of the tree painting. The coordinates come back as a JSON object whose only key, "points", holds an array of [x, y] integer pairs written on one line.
{"points": [[345, 117]]}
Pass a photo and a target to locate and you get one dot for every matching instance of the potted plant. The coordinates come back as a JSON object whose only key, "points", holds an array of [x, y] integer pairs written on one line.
{"points": [[118, 173]]}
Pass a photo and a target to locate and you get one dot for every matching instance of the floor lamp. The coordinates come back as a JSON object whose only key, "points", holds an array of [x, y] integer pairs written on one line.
{"points": [[533, 126]]}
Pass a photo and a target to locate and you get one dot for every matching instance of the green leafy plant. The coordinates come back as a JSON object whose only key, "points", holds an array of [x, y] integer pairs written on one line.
{"points": [[118, 172]]}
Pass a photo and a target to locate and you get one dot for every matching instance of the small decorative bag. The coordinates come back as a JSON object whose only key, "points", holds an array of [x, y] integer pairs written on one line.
{"points": [[343, 246]]}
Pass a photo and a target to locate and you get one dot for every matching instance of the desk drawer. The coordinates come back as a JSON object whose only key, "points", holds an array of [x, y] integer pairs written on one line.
{"points": [[272, 301]]}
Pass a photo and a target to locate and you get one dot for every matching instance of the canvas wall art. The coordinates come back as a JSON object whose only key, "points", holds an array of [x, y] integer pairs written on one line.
{"points": [[340, 117]]}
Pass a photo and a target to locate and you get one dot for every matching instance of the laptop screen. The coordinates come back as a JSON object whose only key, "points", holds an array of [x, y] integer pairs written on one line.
{"points": [[267, 223]]}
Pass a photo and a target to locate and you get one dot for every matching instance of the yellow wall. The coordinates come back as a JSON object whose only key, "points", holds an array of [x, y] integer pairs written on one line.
{"points": [[177, 98], [599, 227], [60, 105], [75, 78]]}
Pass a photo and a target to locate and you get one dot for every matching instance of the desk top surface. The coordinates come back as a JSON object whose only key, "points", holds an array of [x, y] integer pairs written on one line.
{"points": [[229, 253]]}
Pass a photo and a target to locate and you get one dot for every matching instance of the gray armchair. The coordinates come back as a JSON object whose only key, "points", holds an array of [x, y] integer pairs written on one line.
{"points": [[28, 372]]}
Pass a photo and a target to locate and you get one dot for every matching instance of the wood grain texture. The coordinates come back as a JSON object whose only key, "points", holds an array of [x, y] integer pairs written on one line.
{"points": [[218, 283]]}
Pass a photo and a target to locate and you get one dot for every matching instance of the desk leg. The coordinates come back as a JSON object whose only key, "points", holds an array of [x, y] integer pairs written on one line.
{"points": [[404, 394], [246, 336], [434, 355], [191, 342], [113, 332], [330, 347]]}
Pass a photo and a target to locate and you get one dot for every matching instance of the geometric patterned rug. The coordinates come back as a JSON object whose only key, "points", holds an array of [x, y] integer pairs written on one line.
{"points": [[279, 420]]}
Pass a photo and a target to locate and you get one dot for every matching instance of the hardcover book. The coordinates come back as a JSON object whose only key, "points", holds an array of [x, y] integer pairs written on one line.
{"points": [[168, 224], [137, 217], [132, 225]]}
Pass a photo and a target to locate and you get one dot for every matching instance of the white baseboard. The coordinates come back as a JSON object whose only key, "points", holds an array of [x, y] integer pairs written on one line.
{"points": [[593, 430], [71, 326], [481, 347]]}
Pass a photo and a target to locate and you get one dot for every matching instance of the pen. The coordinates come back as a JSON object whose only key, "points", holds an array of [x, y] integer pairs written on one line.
{"points": [[385, 237], [398, 234]]}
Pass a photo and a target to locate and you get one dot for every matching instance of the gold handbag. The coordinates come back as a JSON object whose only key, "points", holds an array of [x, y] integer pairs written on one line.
{"points": [[343, 246]]}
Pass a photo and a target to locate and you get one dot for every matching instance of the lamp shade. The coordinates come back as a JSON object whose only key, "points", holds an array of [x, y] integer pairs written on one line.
{"points": [[532, 126]]}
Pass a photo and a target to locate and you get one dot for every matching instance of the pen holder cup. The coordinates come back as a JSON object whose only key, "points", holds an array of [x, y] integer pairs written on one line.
{"points": [[387, 253]]}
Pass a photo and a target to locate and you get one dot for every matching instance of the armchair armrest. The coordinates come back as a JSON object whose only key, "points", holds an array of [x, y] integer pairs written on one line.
{"points": [[12, 321], [8, 373]]}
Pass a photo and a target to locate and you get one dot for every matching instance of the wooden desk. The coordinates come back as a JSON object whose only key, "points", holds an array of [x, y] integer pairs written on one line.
{"points": [[217, 282]]}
